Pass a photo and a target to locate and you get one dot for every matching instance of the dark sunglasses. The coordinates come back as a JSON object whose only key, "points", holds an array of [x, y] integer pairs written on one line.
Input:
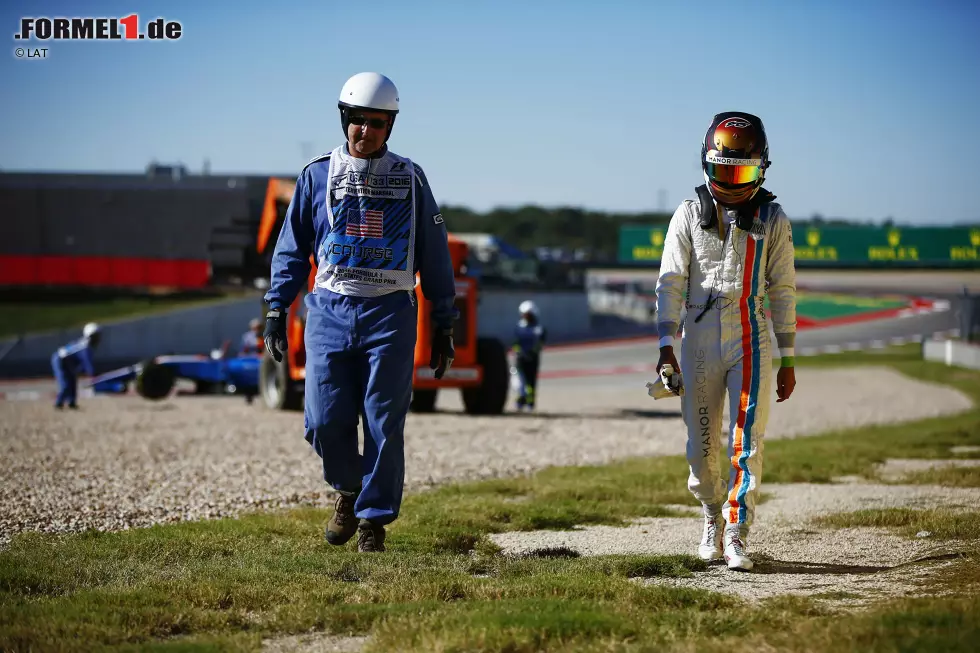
{"points": [[376, 123]]}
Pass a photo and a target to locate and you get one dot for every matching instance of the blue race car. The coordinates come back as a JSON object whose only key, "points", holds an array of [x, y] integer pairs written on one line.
{"points": [[155, 378]]}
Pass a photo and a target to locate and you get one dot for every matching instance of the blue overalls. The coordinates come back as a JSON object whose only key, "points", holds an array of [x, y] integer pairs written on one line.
{"points": [[372, 224], [528, 341], [66, 363]]}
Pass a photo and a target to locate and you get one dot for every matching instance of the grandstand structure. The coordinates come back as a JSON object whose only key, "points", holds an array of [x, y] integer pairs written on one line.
{"points": [[161, 229]]}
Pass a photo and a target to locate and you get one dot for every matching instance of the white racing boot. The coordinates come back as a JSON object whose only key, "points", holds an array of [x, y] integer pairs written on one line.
{"points": [[710, 547], [736, 551]]}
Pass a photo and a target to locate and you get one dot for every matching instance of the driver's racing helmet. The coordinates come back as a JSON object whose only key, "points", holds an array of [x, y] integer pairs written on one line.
{"points": [[734, 157]]}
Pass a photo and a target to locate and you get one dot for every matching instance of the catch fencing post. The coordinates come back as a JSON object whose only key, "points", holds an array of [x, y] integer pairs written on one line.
{"points": [[969, 316]]}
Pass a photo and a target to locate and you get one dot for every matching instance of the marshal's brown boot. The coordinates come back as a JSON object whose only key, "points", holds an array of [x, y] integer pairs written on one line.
{"points": [[343, 524], [370, 537]]}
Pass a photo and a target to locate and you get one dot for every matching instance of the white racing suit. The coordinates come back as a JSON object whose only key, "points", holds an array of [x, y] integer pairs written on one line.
{"points": [[729, 348]]}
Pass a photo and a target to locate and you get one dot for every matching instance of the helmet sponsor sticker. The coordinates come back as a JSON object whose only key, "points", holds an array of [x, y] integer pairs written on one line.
{"points": [[736, 123], [712, 156]]}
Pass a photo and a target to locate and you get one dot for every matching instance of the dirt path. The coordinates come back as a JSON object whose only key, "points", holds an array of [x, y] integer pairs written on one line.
{"points": [[846, 566]]}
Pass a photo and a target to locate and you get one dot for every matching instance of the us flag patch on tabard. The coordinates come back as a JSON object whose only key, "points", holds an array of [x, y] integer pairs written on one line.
{"points": [[365, 224]]}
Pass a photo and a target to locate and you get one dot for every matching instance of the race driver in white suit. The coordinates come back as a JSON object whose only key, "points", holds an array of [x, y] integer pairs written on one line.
{"points": [[726, 250]]}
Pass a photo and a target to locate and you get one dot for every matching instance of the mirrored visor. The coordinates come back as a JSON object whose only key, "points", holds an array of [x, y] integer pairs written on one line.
{"points": [[727, 170]]}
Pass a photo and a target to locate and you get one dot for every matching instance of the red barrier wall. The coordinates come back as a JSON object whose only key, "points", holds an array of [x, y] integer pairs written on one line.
{"points": [[102, 271]]}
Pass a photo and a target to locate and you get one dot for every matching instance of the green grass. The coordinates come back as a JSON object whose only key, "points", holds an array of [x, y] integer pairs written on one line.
{"points": [[900, 626], [443, 586], [942, 523], [825, 306], [555, 498], [947, 476], [855, 452], [22, 317], [274, 573]]}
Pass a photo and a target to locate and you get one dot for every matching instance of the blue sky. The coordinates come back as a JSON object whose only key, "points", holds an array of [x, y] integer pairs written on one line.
{"points": [[599, 105]]}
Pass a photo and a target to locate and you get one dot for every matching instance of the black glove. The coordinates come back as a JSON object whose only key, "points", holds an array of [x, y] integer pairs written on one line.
{"points": [[275, 333], [442, 351]]}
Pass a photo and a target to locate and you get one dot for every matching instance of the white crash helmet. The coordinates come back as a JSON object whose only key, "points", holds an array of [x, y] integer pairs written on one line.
{"points": [[527, 306], [90, 329], [368, 91]]}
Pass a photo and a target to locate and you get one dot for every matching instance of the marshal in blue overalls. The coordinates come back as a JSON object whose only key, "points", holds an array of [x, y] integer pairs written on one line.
{"points": [[370, 218], [72, 359]]}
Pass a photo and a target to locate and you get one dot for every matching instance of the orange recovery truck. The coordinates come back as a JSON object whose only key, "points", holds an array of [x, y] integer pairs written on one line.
{"points": [[480, 369]]}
